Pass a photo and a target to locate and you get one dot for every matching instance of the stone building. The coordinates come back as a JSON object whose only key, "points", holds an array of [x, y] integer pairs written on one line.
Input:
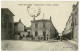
{"points": [[71, 29], [68, 29], [7, 24], [18, 27], [43, 28], [75, 22], [27, 32]]}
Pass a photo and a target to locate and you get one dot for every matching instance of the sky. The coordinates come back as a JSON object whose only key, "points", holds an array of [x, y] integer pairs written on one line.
{"points": [[58, 10]]}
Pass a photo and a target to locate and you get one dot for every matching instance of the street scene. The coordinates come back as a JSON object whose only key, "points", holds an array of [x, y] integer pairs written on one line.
{"points": [[39, 26]]}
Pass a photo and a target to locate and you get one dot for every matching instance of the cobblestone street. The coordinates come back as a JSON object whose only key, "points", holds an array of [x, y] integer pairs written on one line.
{"points": [[37, 46]]}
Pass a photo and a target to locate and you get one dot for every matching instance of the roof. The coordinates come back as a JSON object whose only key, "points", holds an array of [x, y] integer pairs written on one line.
{"points": [[7, 11], [17, 22], [41, 20], [28, 28]]}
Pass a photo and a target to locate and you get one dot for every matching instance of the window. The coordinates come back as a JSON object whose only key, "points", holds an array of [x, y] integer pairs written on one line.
{"points": [[36, 33], [4, 25], [28, 34], [44, 33], [72, 24], [6, 17], [25, 30], [9, 32], [43, 25], [36, 25], [10, 25]]}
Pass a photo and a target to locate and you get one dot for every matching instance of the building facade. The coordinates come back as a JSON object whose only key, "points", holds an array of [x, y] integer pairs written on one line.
{"points": [[18, 27], [75, 22], [27, 32], [43, 28], [71, 29], [7, 24], [68, 29], [69, 25]]}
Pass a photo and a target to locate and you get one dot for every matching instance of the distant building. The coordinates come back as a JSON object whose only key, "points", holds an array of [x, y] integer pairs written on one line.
{"points": [[27, 32], [71, 29], [18, 27], [7, 24], [43, 28]]}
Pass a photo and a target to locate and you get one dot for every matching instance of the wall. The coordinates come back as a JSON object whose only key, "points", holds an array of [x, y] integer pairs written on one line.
{"points": [[20, 27], [6, 19], [75, 20], [71, 29], [23, 33], [40, 28]]}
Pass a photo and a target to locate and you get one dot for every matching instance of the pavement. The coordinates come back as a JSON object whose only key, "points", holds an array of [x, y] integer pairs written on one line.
{"points": [[73, 43], [51, 45]]}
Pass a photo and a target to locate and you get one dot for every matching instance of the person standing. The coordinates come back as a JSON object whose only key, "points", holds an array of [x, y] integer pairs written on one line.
{"points": [[47, 37], [61, 38], [57, 38]]}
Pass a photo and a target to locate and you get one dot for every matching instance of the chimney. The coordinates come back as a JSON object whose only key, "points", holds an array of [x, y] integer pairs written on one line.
{"points": [[20, 20], [50, 18], [34, 18]]}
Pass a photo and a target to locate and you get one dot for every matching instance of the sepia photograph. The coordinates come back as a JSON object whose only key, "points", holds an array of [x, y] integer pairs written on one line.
{"points": [[39, 25]]}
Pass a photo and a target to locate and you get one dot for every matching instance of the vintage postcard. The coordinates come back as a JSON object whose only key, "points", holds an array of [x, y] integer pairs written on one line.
{"points": [[39, 25]]}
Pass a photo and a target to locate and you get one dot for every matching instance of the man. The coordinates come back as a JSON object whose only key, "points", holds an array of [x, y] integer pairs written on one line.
{"points": [[47, 37], [57, 38], [61, 38]]}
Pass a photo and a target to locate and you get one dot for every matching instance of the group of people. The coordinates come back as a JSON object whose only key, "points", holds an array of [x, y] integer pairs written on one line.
{"points": [[59, 38], [41, 38]]}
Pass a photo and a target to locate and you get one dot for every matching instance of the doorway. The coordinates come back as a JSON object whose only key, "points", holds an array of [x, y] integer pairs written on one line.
{"points": [[44, 35], [36, 33]]}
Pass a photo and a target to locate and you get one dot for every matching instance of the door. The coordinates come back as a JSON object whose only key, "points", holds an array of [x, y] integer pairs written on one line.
{"points": [[36, 33], [44, 35]]}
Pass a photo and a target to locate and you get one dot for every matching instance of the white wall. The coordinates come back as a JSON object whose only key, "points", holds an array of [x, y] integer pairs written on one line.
{"points": [[40, 28]]}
